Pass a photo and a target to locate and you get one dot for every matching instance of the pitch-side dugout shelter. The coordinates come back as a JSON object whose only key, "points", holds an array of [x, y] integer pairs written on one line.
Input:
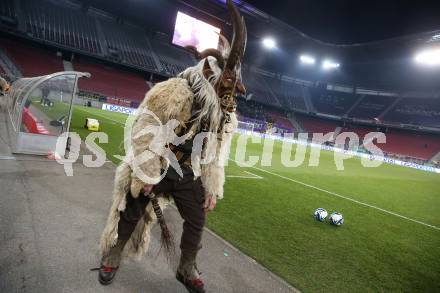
{"points": [[40, 110]]}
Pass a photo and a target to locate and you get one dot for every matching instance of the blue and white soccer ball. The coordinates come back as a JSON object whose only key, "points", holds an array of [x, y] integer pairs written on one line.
{"points": [[336, 219], [320, 214]]}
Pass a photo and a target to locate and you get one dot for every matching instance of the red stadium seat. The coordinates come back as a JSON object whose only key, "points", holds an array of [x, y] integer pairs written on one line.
{"points": [[281, 120], [312, 124], [111, 82], [421, 146], [32, 61]]}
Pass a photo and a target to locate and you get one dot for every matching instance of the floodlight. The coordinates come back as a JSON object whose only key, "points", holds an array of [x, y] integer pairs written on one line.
{"points": [[328, 65], [435, 38], [307, 59], [269, 43], [428, 57]]}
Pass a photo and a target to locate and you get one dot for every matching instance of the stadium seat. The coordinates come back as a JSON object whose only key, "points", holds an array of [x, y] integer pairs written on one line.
{"points": [[416, 111], [131, 46], [315, 124], [128, 45], [414, 145], [32, 61], [111, 82], [7, 11], [67, 27], [281, 121], [371, 107], [172, 59], [332, 102]]}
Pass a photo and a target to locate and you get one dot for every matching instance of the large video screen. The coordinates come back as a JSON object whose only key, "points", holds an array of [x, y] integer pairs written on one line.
{"points": [[194, 32]]}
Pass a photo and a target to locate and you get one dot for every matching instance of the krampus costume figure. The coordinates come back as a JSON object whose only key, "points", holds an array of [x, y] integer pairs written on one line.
{"points": [[200, 100]]}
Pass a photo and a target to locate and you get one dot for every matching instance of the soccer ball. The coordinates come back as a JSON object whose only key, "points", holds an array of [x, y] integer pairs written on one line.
{"points": [[336, 219], [320, 214]]}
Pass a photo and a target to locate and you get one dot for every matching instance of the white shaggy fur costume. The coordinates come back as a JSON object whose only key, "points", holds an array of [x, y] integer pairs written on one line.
{"points": [[3, 86], [171, 99]]}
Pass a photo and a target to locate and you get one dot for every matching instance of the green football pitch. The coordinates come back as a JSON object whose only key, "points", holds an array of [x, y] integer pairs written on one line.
{"points": [[390, 241]]}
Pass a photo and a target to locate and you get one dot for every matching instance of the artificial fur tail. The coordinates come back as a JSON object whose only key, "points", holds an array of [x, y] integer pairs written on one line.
{"points": [[166, 239]]}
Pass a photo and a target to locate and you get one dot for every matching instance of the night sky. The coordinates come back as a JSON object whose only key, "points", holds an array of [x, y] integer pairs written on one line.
{"points": [[355, 21]]}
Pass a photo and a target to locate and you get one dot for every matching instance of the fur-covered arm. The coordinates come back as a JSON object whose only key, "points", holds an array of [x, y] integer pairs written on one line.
{"points": [[213, 173], [167, 100]]}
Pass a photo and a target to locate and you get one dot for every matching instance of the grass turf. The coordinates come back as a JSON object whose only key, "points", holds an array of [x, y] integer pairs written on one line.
{"points": [[271, 220]]}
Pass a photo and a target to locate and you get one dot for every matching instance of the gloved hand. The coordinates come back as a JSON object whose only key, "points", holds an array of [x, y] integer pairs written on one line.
{"points": [[210, 203]]}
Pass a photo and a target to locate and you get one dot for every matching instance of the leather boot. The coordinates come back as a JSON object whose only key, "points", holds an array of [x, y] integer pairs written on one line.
{"points": [[110, 263], [188, 274]]}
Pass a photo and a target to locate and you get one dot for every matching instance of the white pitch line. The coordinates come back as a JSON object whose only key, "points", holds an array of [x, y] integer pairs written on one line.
{"points": [[346, 198], [310, 186], [2, 157], [253, 176]]}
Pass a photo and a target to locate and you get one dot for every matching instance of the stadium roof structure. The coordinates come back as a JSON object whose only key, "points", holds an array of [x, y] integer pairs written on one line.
{"points": [[386, 64]]}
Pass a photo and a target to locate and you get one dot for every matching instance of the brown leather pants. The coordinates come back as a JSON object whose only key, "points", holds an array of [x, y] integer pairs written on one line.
{"points": [[188, 195]]}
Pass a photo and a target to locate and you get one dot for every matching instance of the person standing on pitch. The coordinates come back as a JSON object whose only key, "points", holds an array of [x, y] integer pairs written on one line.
{"points": [[199, 102]]}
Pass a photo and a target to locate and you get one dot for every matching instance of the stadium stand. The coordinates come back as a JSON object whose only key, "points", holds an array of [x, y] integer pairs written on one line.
{"points": [[252, 112], [111, 82], [172, 59], [281, 121], [315, 124], [128, 44], [331, 102], [274, 86], [400, 143], [251, 109], [7, 12], [293, 97], [371, 107], [32, 61], [413, 145], [258, 88], [361, 131], [64, 26], [69, 27], [416, 111]]}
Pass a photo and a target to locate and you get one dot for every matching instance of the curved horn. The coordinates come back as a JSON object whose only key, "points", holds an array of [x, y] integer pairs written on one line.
{"points": [[208, 52], [243, 49], [239, 39], [216, 54], [224, 44]]}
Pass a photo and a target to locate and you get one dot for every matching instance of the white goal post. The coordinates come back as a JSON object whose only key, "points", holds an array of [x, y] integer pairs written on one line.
{"points": [[247, 127]]}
